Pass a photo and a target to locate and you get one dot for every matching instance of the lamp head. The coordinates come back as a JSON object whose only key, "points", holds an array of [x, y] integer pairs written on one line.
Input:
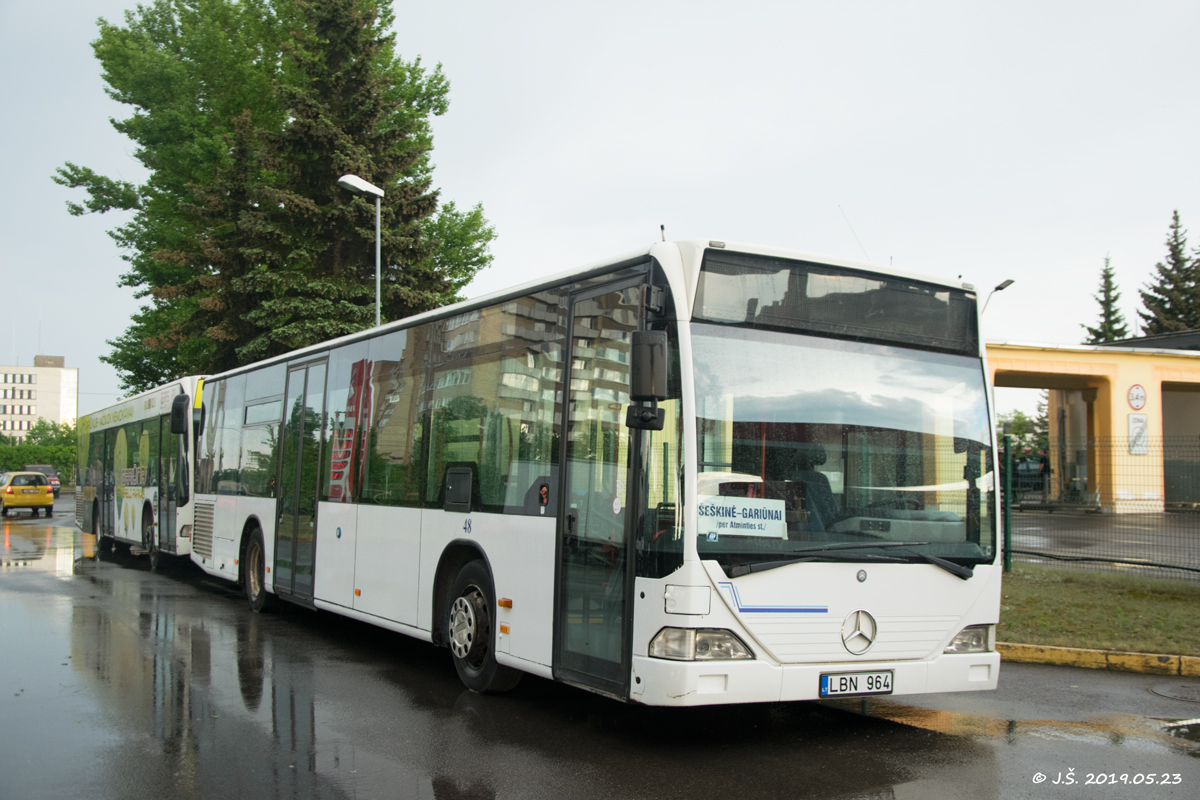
{"points": [[355, 184]]}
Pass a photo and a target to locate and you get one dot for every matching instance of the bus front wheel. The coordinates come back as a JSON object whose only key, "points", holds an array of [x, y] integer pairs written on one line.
{"points": [[103, 543], [470, 632], [255, 576]]}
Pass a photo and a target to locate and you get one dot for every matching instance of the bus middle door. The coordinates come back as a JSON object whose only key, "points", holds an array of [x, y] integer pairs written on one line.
{"points": [[299, 482]]}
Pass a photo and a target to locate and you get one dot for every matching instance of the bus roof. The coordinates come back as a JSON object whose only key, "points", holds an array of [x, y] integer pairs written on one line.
{"points": [[684, 248]]}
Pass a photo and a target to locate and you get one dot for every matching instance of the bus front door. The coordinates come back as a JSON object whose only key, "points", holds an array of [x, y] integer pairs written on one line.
{"points": [[592, 612], [168, 458], [299, 482]]}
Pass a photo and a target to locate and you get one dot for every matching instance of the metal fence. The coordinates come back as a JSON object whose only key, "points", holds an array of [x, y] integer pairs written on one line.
{"points": [[1112, 504]]}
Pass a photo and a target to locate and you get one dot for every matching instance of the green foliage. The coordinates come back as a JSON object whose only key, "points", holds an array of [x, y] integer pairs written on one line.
{"points": [[1172, 300], [246, 114], [61, 457], [1021, 433], [461, 242], [51, 434], [1098, 611], [1030, 436], [147, 354], [1111, 326], [45, 443]]}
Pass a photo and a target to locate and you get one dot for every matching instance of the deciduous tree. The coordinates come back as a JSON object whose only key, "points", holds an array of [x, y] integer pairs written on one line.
{"points": [[51, 434]]}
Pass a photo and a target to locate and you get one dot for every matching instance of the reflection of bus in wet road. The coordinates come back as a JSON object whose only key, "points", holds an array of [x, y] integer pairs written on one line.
{"points": [[138, 685], [701, 473], [215, 701]]}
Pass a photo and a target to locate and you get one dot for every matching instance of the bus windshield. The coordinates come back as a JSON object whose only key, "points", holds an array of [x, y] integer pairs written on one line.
{"points": [[805, 441]]}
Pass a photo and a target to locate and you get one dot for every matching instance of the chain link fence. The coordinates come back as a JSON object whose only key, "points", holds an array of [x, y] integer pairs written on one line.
{"points": [[1110, 504]]}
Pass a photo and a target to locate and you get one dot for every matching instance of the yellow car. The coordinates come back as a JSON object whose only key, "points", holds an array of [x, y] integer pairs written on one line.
{"points": [[30, 490]]}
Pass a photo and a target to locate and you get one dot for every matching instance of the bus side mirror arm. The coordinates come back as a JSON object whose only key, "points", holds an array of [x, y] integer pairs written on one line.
{"points": [[646, 418]]}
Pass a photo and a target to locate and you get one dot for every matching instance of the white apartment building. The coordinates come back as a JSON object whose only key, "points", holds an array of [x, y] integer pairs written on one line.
{"points": [[47, 390]]}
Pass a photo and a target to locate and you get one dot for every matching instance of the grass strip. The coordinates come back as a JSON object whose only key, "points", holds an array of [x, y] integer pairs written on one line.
{"points": [[1098, 610]]}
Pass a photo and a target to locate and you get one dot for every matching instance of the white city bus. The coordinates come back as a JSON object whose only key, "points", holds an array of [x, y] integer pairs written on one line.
{"points": [[134, 477], [705, 472]]}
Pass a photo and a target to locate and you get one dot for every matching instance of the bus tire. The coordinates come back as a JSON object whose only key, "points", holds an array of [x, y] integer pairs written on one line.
{"points": [[256, 565], [469, 627], [103, 543]]}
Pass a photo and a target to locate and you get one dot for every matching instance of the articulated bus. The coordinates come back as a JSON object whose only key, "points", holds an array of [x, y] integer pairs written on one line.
{"points": [[134, 477], [701, 473]]}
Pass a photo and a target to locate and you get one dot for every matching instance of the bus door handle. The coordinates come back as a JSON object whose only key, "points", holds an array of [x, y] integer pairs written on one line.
{"points": [[570, 539]]}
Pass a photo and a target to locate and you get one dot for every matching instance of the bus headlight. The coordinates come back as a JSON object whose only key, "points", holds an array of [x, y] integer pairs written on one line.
{"points": [[703, 644], [970, 640]]}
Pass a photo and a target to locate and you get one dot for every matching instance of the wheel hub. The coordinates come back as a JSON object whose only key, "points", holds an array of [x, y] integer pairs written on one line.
{"points": [[464, 626]]}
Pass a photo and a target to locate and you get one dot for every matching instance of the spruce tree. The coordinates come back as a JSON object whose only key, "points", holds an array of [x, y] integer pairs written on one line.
{"points": [[1112, 324], [1172, 299], [242, 244], [1041, 424]]}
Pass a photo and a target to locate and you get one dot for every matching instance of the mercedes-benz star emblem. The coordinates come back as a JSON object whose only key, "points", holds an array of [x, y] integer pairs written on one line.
{"points": [[858, 632]]}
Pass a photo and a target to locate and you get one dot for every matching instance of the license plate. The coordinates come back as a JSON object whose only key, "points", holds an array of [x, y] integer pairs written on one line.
{"points": [[32, 491], [838, 684]]}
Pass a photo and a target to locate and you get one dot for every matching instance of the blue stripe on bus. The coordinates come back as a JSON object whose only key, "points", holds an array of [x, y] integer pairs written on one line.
{"points": [[737, 602]]}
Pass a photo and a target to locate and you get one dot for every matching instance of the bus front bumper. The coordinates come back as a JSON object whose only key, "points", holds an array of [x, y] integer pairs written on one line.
{"points": [[660, 682]]}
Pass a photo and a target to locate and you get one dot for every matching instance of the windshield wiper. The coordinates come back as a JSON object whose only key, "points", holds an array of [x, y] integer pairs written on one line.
{"points": [[762, 566], [957, 570]]}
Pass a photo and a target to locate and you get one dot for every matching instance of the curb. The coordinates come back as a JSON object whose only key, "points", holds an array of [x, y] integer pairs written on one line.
{"points": [[1147, 663]]}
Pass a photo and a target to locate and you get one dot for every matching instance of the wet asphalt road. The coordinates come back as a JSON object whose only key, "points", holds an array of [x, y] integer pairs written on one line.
{"points": [[119, 683]]}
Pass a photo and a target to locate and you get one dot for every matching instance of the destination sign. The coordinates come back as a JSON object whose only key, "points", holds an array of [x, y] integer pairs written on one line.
{"points": [[740, 516]]}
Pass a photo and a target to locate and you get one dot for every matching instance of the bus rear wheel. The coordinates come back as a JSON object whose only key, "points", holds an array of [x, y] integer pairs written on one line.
{"points": [[469, 627], [254, 578]]}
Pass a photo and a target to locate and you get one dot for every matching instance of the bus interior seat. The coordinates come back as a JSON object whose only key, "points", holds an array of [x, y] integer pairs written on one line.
{"points": [[798, 462]]}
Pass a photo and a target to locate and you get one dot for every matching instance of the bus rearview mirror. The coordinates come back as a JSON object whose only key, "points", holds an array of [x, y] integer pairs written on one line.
{"points": [[648, 366], [179, 413]]}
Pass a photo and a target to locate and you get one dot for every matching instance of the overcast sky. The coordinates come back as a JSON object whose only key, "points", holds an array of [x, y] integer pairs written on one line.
{"points": [[1023, 140]]}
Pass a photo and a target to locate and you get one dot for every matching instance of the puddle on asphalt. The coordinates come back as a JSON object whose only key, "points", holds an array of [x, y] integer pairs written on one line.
{"points": [[48, 547], [1183, 729], [1118, 730]]}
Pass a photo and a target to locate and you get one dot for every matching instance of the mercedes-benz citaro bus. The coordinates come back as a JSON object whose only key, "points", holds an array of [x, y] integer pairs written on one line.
{"points": [[134, 478], [704, 472]]}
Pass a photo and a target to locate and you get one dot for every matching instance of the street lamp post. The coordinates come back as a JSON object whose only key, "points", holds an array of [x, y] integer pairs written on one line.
{"points": [[356, 185], [1000, 288]]}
